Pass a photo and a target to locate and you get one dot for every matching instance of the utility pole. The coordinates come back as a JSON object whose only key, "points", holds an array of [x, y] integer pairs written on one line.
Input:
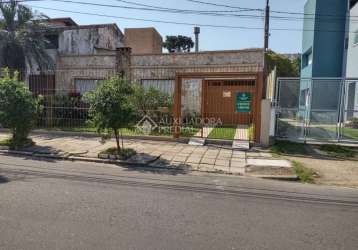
{"points": [[266, 43], [196, 32]]}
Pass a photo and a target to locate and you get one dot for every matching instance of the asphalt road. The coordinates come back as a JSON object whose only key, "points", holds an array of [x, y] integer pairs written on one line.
{"points": [[70, 205]]}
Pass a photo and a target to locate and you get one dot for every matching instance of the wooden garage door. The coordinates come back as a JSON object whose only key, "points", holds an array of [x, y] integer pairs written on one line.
{"points": [[233, 101]]}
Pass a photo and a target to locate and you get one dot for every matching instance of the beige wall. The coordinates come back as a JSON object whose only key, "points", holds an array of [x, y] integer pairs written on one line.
{"points": [[143, 40], [166, 66], [70, 68]]}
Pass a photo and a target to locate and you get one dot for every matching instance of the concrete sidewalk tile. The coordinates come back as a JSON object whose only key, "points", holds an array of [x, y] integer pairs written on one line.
{"points": [[206, 160], [269, 163], [225, 163], [237, 170], [211, 156], [179, 158], [222, 168], [193, 160], [206, 167], [237, 164]]}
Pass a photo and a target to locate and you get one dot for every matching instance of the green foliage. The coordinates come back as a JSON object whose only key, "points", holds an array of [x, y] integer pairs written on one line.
{"points": [[111, 106], [147, 100], [286, 147], [18, 108], [64, 111], [21, 37], [178, 44], [285, 67], [338, 151], [353, 123], [124, 154], [305, 175]]}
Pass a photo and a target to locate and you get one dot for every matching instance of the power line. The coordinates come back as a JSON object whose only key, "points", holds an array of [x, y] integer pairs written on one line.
{"points": [[273, 11], [181, 11], [163, 8], [184, 23], [224, 5]]}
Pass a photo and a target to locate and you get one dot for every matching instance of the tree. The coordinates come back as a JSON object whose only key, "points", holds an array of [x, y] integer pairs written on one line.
{"points": [[111, 107], [18, 108], [22, 37], [178, 44], [285, 67]]}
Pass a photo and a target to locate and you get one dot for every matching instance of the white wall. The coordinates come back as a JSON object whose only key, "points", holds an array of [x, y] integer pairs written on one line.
{"points": [[352, 58]]}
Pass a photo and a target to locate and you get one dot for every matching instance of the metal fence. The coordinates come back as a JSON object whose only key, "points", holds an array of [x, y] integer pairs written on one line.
{"points": [[317, 109], [208, 108]]}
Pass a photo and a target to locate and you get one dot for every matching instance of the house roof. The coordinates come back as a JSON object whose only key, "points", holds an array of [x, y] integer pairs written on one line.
{"points": [[66, 21], [353, 2]]}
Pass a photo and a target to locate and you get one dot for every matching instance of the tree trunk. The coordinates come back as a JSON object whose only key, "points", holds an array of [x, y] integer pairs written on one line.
{"points": [[122, 138], [117, 141]]}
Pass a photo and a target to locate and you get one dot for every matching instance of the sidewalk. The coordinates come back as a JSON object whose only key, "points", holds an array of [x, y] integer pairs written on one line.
{"points": [[158, 154]]}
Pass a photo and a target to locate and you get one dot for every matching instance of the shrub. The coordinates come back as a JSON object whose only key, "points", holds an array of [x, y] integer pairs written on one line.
{"points": [[150, 101], [111, 107], [64, 111], [353, 123], [18, 108]]}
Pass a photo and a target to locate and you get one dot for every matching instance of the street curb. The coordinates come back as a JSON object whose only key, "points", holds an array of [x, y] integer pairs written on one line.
{"points": [[95, 135], [106, 161], [70, 157], [276, 177]]}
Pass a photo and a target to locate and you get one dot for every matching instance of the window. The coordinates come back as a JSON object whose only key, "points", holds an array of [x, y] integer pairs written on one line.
{"points": [[84, 85], [307, 58], [355, 41], [166, 86], [52, 42]]}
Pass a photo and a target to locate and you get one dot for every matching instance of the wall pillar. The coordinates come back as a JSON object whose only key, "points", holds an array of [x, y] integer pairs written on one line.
{"points": [[123, 62], [177, 107], [265, 122]]}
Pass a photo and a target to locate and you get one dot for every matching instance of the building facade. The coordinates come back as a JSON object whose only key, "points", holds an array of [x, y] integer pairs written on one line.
{"points": [[323, 38]]}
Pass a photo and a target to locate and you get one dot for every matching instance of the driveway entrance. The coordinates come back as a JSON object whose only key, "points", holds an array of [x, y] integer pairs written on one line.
{"points": [[231, 101]]}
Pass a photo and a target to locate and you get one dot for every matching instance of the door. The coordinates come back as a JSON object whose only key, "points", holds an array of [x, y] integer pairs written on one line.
{"points": [[231, 101]]}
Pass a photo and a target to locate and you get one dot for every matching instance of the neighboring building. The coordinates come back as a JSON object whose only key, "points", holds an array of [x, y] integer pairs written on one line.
{"points": [[352, 54], [352, 63], [143, 40], [323, 56], [323, 38], [330, 51], [70, 39]]}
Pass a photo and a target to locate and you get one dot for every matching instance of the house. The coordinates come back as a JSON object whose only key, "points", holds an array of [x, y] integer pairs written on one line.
{"points": [[223, 85], [67, 38]]}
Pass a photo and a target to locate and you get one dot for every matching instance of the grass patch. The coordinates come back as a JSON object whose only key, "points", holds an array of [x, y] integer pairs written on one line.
{"points": [[223, 133], [14, 146], [164, 131], [124, 154], [286, 147], [305, 175], [338, 151], [251, 133], [350, 133]]}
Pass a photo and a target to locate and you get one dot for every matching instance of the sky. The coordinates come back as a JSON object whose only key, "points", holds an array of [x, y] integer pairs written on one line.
{"points": [[211, 38]]}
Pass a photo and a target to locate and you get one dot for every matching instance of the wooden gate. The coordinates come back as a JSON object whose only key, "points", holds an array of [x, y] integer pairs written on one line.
{"points": [[231, 101]]}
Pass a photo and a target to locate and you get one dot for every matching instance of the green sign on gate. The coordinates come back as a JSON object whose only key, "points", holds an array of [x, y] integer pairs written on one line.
{"points": [[243, 102]]}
